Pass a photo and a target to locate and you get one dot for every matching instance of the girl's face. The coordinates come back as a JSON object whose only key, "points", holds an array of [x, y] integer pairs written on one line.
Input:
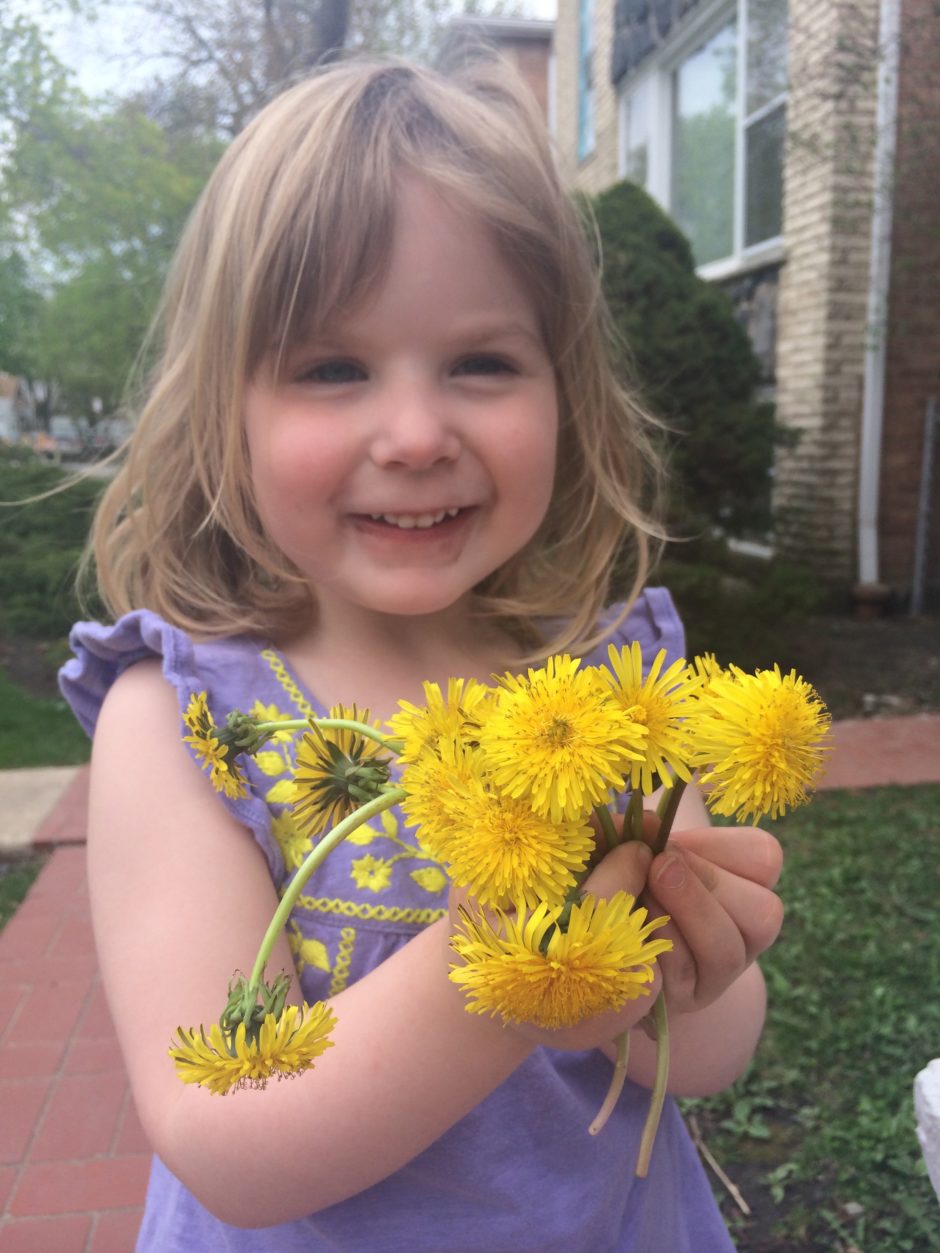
{"points": [[409, 450]]}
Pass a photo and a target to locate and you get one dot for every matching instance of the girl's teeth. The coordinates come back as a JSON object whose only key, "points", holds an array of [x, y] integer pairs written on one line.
{"points": [[408, 521]]}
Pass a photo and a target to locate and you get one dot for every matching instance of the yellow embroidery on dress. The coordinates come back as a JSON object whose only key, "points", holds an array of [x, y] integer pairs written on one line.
{"points": [[369, 913], [307, 952], [271, 713], [430, 878], [363, 835], [282, 793], [269, 762], [347, 938], [294, 845], [372, 873], [279, 670], [389, 824]]}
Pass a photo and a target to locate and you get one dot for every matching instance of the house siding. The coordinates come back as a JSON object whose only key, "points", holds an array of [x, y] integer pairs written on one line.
{"points": [[809, 316], [912, 373], [824, 284], [600, 168]]}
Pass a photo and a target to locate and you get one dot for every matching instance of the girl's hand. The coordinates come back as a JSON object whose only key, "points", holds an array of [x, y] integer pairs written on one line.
{"points": [[716, 883], [625, 869]]}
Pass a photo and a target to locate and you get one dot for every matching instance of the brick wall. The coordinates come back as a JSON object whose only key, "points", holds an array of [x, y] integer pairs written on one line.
{"points": [[824, 283], [599, 169], [913, 342], [530, 58]]}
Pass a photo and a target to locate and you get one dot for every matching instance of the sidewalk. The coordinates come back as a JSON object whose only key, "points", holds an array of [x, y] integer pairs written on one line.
{"points": [[73, 1158]]}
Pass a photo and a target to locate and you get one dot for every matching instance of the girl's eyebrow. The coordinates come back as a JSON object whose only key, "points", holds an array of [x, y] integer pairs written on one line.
{"points": [[343, 338]]}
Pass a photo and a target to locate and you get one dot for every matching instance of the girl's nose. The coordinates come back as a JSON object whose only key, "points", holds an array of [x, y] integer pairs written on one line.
{"points": [[413, 430]]}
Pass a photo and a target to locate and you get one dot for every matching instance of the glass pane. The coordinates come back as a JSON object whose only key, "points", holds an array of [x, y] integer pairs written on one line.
{"points": [[766, 52], [703, 146], [763, 146], [585, 78], [638, 135]]}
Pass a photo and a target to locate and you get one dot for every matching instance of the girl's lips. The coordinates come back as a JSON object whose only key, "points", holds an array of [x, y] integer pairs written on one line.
{"points": [[448, 527]]}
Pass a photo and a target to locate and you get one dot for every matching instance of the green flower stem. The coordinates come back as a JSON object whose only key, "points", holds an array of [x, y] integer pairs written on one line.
{"points": [[666, 811], [617, 1081], [633, 819], [658, 1095], [602, 813], [338, 724], [315, 858]]}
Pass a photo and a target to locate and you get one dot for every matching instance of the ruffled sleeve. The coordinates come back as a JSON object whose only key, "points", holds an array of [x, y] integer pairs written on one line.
{"points": [[653, 622], [103, 653]]}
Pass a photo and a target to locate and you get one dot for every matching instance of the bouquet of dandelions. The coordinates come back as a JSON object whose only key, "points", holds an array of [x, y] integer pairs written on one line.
{"points": [[509, 787]]}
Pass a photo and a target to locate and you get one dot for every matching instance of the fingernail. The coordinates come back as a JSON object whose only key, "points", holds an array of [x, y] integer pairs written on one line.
{"points": [[672, 873]]}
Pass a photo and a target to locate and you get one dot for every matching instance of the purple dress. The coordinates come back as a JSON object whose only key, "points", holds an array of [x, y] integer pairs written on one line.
{"points": [[520, 1172]]}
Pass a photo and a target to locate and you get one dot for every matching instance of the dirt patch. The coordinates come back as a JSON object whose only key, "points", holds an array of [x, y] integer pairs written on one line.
{"points": [[861, 668]]}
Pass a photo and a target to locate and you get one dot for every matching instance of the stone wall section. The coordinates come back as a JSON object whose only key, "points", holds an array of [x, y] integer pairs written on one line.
{"points": [[824, 282], [913, 344]]}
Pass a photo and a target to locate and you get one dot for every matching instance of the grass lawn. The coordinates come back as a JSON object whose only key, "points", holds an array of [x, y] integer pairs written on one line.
{"points": [[16, 878], [819, 1135], [37, 732]]}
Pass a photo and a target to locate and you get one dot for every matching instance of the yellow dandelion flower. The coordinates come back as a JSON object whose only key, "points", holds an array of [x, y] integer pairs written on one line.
{"points": [[224, 1060], [658, 702], [225, 775], [557, 739], [336, 771], [527, 969], [454, 717], [431, 783], [496, 847], [759, 740]]}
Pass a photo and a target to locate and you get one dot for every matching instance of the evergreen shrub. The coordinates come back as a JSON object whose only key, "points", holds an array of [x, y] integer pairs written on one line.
{"points": [[41, 542], [693, 362]]}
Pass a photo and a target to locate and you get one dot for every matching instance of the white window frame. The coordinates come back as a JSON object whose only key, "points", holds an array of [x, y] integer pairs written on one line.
{"points": [[658, 72]]}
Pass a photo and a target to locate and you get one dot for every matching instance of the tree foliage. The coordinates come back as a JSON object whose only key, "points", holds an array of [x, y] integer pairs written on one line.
{"points": [[94, 193], [694, 364], [92, 200], [218, 62]]}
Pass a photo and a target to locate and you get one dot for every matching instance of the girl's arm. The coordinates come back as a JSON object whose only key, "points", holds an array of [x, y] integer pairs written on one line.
{"points": [[180, 898]]}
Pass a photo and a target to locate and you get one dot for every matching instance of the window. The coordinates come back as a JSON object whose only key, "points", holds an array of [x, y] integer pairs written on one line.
{"points": [[704, 129], [585, 78], [637, 133]]}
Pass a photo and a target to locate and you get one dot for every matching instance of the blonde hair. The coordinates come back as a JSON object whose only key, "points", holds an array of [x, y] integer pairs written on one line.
{"points": [[297, 221]]}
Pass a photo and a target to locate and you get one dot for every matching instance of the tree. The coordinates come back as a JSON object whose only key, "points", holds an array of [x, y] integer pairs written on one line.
{"points": [[93, 200], [218, 62]]}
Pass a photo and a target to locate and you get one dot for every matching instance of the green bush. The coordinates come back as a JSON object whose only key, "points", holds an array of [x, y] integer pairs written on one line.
{"points": [[41, 541], [694, 364]]}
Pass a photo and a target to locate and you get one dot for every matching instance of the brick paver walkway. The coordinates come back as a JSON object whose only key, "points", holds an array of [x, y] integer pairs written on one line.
{"points": [[73, 1158]]}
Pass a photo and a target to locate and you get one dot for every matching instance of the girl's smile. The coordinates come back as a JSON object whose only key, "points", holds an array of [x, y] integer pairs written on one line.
{"points": [[409, 450]]}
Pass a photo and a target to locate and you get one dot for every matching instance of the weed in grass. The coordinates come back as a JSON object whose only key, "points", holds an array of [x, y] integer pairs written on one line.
{"points": [[819, 1135]]}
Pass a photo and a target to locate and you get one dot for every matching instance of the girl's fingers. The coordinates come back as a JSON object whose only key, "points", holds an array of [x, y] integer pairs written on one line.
{"points": [[745, 851], [721, 923], [624, 869], [754, 910]]}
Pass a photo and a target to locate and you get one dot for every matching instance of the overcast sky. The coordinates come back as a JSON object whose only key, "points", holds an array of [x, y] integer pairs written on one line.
{"points": [[99, 51]]}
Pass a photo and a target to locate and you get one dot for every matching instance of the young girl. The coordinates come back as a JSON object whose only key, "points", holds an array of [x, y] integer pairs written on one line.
{"points": [[383, 444]]}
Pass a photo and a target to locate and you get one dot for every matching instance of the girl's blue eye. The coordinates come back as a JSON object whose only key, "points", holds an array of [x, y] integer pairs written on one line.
{"points": [[482, 366], [334, 372]]}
